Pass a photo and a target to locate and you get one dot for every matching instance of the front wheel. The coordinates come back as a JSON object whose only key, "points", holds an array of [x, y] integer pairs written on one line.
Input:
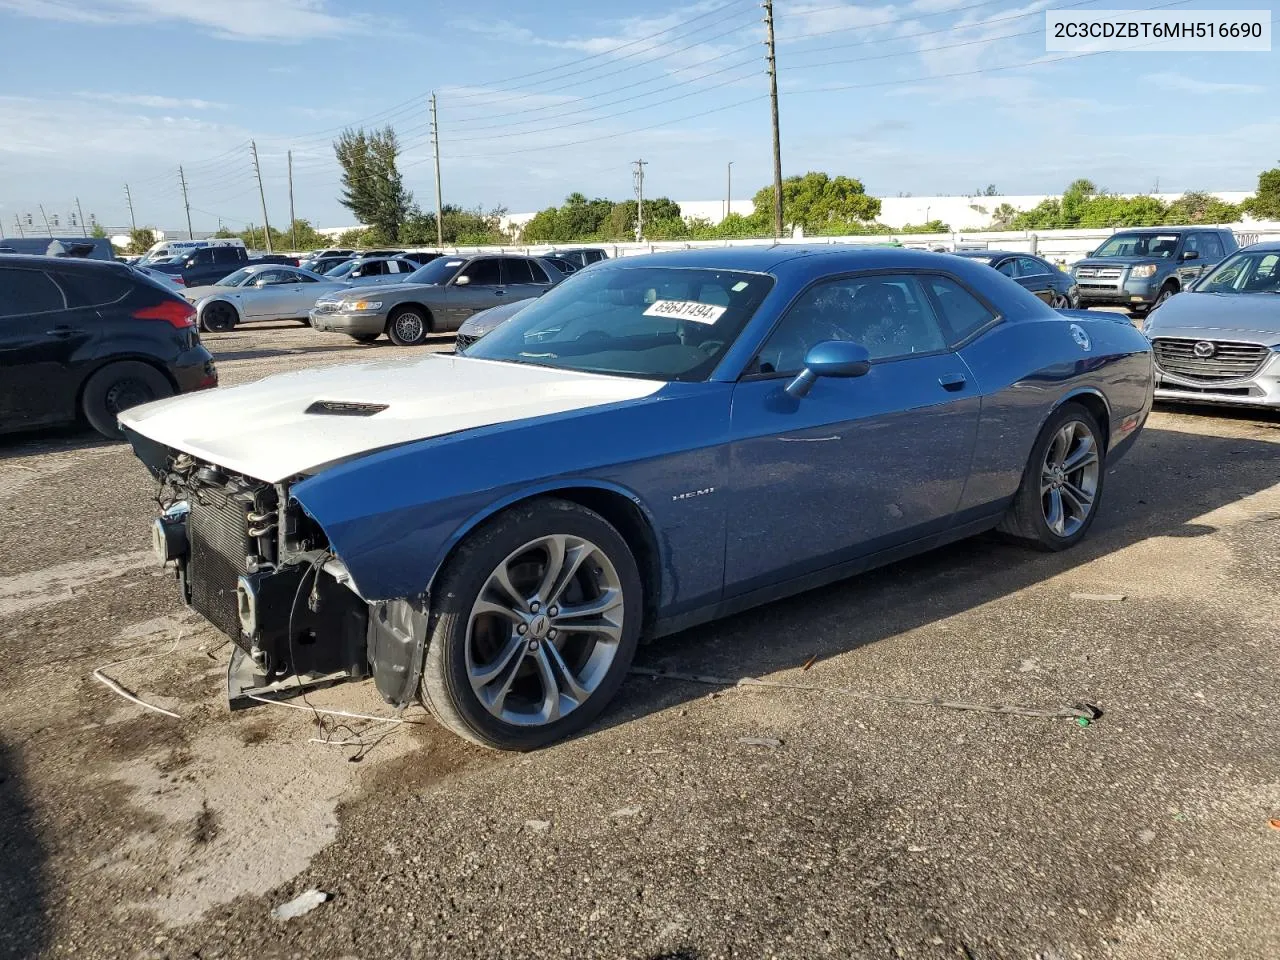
{"points": [[1165, 294], [533, 626], [1062, 486], [1060, 301], [218, 318], [408, 327]]}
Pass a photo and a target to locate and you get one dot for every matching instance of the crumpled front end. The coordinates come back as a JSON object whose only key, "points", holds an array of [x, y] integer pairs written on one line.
{"points": [[251, 562]]}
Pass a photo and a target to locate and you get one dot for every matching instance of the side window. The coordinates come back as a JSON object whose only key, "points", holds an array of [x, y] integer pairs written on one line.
{"points": [[92, 288], [1193, 243], [889, 315], [539, 275], [270, 278], [1009, 267], [516, 270], [961, 311], [1213, 248], [486, 272], [28, 291], [226, 255], [303, 278], [1030, 267]]}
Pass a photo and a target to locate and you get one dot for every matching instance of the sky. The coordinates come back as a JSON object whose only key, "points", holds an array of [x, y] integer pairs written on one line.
{"points": [[539, 99]]}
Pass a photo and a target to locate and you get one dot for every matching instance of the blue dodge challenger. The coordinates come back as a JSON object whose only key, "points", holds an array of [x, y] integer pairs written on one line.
{"points": [[656, 442]]}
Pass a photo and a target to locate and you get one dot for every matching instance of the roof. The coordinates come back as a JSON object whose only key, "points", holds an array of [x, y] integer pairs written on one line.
{"points": [[993, 253], [827, 258], [1183, 228], [34, 260], [1264, 246]]}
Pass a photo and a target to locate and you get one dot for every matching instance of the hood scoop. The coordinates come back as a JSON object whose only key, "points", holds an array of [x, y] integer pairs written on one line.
{"points": [[345, 408]]}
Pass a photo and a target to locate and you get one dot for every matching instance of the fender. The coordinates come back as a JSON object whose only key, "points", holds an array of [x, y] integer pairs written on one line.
{"points": [[218, 298]]}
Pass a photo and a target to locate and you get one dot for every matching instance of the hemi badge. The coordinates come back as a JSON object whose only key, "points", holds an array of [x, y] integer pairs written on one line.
{"points": [[336, 408]]}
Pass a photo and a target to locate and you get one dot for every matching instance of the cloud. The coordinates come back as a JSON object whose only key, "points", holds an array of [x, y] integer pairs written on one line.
{"points": [[266, 20], [1185, 84], [151, 100]]}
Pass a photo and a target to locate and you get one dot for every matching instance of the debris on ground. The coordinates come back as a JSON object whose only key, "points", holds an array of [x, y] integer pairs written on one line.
{"points": [[538, 826], [625, 812], [769, 742], [300, 905], [1106, 597]]}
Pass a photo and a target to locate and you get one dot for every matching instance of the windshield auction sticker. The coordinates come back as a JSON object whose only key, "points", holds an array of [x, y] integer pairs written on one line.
{"points": [[685, 310], [1158, 31]]}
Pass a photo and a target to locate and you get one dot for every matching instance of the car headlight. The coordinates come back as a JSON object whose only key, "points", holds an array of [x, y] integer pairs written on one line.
{"points": [[362, 305], [1143, 270]]}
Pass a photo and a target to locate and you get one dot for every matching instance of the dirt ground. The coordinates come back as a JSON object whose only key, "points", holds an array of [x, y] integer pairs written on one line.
{"points": [[693, 821]]}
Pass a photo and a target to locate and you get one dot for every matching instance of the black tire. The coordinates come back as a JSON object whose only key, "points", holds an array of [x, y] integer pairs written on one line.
{"points": [[117, 387], [445, 688], [365, 337], [218, 317], [1026, 521], [408, 326]]}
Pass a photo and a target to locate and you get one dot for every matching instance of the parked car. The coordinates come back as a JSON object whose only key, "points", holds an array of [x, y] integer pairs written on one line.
{"points": [[261, 292], [389, 252], [485, 322], [165, 280], [1053, 286], [344, 252], [435, 299], [1141, 269], [177, 249], [582, 256], [420, 257], [374, 270], [1220, 341], [91, 338], [205, 265], [323, 265], [658, 442], [563, 264], [93, 248]]}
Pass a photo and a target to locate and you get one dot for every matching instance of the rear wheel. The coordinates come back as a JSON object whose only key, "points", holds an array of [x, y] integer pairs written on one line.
{"points": [[1062, 485], [117, 387], [533, 626], [408, 326], [218, 318]]}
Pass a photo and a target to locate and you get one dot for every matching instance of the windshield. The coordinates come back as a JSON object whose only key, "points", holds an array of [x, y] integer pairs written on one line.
{"points": [[1158, 245], [660, 323], [1244, 273], [440, 270], [986, 258], [235, 279], [342, 269]]}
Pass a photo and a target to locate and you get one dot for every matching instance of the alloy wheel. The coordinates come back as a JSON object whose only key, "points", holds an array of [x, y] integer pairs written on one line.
{"points": [[409, 327], [544, 630], [1069, 478]]}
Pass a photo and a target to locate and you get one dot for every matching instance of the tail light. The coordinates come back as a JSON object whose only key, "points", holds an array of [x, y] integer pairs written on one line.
{"points": [[175, 312], [179, 281]]}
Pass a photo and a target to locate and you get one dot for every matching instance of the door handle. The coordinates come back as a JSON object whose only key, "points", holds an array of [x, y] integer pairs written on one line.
{"points": [[60, 331], [952, 381]]}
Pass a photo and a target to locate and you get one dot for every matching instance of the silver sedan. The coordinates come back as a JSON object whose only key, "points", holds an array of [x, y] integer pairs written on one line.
{"points": [[265, 291]]}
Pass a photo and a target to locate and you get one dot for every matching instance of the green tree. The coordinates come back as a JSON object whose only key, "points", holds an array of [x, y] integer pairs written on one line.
{"points": [[930, 226], [1003, 217], [818, 203], [352, 238], [1199, 207], [662, 220], [372, 186], [99, 232], [1265, 203], [141, 240]]}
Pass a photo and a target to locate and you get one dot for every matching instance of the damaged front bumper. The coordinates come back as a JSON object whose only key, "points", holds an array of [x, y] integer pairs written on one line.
{"points": [[251, 562]]}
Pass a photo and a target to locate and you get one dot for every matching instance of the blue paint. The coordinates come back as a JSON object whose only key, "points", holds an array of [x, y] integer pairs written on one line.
{"points": [[746, 487]]}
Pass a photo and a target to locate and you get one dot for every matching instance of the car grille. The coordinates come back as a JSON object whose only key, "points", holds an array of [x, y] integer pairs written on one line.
{"points": [[1228, 361], [1099, 273], [218, 534], [462, 341]]}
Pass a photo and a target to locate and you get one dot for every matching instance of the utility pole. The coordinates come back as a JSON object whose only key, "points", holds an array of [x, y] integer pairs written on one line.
{"points": [[435, 149], [637, 177], [47, 228], [266, 224], [728, 191], [773, 103], [133, 224], [182, 178], [293, 223], [84, 230]]}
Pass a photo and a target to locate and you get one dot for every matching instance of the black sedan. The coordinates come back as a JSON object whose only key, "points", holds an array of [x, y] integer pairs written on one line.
{"points": [[88, 339], [1055, 287]]}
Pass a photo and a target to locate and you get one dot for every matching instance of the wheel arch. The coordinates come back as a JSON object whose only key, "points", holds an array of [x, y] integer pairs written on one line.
{"points": [[625, 511], [1093, 400], [400, 308]]}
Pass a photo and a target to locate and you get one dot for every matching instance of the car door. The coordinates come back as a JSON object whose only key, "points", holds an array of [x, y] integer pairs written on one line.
{"points": [[298, 295], [39, 338], [268, 295], [477, 286], [1035, 276], [1193, 258], [858, 465]]}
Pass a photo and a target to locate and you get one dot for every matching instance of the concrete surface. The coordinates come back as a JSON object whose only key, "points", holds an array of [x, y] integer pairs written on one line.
{"points": [[870, 829]]}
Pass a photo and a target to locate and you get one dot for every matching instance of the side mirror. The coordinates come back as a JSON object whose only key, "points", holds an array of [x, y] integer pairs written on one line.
{"points": [[461, 281], [831, 358], [1190, 255]]}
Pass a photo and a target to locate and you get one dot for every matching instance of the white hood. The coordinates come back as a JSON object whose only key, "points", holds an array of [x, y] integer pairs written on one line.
{"points": [[262, 429]]}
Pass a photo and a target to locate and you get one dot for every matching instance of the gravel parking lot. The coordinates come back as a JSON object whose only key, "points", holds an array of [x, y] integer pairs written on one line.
{"points": [[695, 821]]}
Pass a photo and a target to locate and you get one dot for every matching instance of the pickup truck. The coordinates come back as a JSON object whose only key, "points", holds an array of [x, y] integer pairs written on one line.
{"points": [[206, 265], [1141, 269]]}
